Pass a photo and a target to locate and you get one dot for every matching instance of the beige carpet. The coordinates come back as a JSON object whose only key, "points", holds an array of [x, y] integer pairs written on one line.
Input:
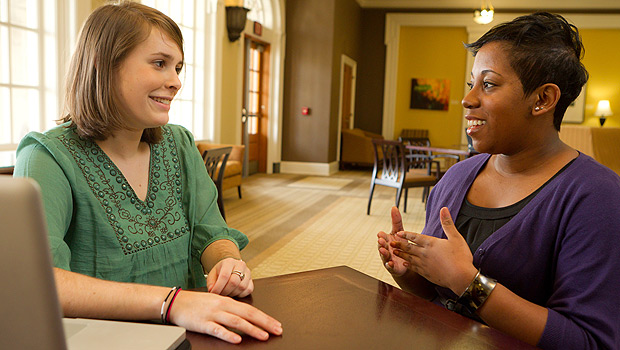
{"points": [[293, 229], [321, 183]]}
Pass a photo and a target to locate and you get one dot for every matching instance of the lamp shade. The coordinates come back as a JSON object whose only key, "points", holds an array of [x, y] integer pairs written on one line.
{"points": [[235, 21], [603, 109]]}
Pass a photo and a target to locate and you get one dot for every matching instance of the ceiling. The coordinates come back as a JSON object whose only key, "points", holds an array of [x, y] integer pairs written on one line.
{"points": [[573, 5]]}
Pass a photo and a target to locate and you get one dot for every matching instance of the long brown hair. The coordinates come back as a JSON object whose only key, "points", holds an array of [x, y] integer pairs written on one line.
{"points": [[110, 33]]}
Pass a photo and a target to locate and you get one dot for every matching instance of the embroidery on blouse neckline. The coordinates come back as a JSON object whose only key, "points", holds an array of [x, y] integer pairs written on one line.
{"points": [[144, 224]]}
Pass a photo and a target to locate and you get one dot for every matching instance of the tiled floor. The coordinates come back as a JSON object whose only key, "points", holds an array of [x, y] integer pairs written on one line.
{"points": [[297, 223]]}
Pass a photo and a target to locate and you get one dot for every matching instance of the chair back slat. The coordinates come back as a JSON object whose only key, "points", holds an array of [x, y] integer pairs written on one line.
{"points": [[215, 163], [393, 165]]}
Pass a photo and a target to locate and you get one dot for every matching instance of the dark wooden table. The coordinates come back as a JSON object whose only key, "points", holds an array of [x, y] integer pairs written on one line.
{"points": [[341, 308]]}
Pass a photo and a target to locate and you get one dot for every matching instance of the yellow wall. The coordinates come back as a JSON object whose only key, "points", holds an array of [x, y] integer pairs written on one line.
{"points": [[601, 61], [435, 52]]}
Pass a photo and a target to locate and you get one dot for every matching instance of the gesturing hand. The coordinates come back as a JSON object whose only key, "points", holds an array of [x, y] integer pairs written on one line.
{"points": [[445, 262], [211, 314], [230, 277], [395, 265]]}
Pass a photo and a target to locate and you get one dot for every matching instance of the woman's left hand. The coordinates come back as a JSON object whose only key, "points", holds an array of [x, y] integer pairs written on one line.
{"points": [[445, 262], [230, 277]]}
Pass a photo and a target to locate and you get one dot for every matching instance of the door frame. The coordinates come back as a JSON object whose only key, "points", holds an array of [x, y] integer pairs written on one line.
{"points": [[344, 59], [264, 99]]}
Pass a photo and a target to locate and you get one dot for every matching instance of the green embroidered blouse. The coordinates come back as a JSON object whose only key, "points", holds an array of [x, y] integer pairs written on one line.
{"points": [[98, 226]]}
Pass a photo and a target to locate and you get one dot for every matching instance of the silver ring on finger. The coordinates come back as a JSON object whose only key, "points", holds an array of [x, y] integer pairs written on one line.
{"points": [[412, 243], [240, 274]]}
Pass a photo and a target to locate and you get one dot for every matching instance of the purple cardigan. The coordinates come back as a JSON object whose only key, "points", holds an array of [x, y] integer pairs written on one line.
{"points": [[561, 251]]}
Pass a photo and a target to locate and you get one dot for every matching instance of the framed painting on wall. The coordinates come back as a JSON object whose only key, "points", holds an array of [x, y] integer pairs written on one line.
{"points": [[576, 110], [428, 93]]}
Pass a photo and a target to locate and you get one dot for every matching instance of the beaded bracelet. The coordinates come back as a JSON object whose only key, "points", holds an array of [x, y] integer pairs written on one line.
{"points": [[170, 305], [173, 290]]}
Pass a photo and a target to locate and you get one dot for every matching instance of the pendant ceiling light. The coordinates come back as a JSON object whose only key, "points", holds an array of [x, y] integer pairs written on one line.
{"points": [[485, 14]]}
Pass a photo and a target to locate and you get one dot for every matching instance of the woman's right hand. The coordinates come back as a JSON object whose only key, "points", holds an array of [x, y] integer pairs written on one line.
{"points": [[211, 313], [394, 264]]}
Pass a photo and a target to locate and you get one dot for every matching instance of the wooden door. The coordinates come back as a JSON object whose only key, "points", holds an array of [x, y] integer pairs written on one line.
{"points": [[256, 96]]}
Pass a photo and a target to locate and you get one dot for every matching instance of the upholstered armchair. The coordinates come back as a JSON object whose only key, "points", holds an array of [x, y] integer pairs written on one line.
{"points": [[357, 147], [234, 166]]}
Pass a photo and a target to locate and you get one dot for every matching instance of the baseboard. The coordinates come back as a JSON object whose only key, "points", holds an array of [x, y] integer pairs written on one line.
{"points": [[307, 168]]}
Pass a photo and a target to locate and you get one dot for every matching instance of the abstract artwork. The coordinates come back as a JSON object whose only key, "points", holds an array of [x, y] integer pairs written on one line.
{"points": [[429, 93]]}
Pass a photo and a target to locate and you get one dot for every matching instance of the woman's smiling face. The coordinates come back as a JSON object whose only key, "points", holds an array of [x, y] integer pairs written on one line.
{"points": [[497, 111], [147, 81]]}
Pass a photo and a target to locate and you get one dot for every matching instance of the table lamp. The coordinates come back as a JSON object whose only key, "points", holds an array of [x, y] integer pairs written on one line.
{"points": [[603, 110]]}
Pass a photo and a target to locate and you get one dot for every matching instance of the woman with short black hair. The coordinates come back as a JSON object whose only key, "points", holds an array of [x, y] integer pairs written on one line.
{"points": [[534, 248]]}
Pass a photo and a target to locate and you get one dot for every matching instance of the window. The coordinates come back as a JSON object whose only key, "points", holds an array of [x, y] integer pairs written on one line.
{"points": [[256, 13], [259, 12], [188, 108], [29, 99], [254, 82]]}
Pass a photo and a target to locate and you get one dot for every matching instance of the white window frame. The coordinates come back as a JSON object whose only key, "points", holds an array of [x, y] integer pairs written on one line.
{"points": [[54, 35], [193, 93]]}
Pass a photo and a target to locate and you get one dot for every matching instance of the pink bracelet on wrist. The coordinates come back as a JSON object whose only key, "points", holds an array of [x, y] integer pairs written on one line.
{"points": [[163, 305], [176, 292]]}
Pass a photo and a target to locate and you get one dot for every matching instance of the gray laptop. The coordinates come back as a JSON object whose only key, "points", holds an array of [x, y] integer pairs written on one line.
{"points": [[31, 316]]}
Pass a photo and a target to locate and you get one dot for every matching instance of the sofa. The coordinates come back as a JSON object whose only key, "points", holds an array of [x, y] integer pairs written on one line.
{"points": [[233, 172], [356, 147]]}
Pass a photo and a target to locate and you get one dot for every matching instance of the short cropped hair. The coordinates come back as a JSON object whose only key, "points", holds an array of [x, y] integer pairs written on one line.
{"points": [[110, 33], [543, 48]]}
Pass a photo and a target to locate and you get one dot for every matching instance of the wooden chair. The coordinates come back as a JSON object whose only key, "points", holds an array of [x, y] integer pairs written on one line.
{"points": [[424, 141], [215, 162], [397, 169], [233, 174], [414, 133]]}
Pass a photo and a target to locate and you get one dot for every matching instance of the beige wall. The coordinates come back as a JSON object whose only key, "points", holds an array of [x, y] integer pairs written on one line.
{"points": [[83, 10], [231, 89]]}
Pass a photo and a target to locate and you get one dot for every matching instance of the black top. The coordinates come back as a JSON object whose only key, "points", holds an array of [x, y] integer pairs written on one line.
{"points": [[476, 223]]}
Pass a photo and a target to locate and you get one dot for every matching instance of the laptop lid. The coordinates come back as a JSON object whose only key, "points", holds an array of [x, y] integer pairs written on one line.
{"points": [[31, 310], [31, 314]]}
